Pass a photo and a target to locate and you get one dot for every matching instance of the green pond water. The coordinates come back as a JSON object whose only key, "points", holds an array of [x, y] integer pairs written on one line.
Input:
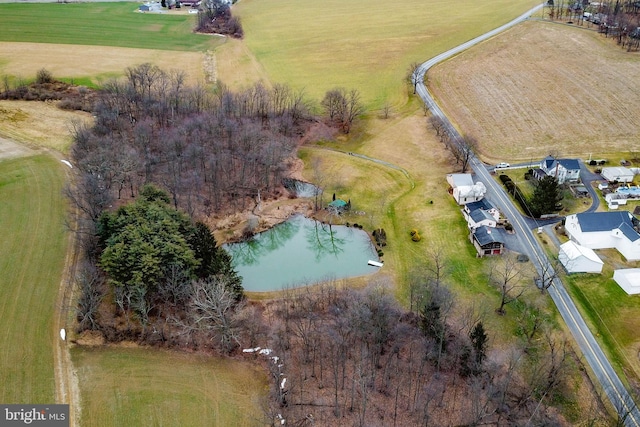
{"points": [[300, 252]]}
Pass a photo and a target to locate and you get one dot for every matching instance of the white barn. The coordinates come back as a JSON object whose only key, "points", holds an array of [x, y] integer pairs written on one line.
{"points": [[617, 173], [602, 230], [464, 190], [578, 259], [628, 279]]}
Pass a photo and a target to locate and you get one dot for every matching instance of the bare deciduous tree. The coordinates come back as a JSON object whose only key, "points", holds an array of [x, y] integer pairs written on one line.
{"points": [[343, 107], [89, 281], [212, 308], [413, 75], [506, 274]]}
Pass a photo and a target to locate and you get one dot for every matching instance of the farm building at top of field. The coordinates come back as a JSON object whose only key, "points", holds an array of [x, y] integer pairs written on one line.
{"points": [[464, 190], [578, 259], [603, 230], [564, 170], [151, 7], [617, 173], [628, 279]]}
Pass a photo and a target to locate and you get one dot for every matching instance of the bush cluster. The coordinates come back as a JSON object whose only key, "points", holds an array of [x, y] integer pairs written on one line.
{"points": [[415, 236], [513, 189], [380, 236]]}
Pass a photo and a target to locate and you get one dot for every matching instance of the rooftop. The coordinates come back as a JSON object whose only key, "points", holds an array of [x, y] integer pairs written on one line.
{"points": [[485, 235], [605, 221]]}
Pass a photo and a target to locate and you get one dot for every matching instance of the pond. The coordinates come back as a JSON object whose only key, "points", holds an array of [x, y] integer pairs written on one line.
{"points": [[300, 252]]}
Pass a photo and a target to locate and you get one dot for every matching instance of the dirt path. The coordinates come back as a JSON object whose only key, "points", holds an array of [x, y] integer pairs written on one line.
{"points": [[10, 149], [66, 378]]}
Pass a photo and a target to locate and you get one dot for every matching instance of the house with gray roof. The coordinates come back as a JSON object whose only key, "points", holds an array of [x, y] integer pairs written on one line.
{"points": [[564, 170], [603, 230], [480, 213], [487, 241]]}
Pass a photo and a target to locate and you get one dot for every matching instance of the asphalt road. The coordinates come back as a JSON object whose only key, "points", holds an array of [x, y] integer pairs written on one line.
{"points": [[593, 354]]}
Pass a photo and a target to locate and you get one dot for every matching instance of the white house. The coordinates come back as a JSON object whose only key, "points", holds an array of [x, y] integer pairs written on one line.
{"points": [[565, 170], [628, 279], [480, 213], [578, 259], [464, 190], [602, 230], [617, 173]]}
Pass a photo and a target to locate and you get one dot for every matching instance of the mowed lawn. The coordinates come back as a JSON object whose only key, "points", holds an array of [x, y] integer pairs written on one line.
{"points": [[366, 45], [32, 252], [150, 387], [103, 24]]}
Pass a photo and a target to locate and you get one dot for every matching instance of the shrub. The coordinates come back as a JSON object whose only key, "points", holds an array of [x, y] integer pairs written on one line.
{"points": [[380, 253], [592, 163], [413, 232], [44, 76], [504, 178], [381, 236], [416, 237]]}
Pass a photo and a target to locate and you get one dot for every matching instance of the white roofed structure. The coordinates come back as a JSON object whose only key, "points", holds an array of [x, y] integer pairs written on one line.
{"points": [[578, 259], [464, 190], [628, 279]]}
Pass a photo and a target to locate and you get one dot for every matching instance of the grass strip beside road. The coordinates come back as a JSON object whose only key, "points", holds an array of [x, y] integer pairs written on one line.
{"points": [[32, 251]]}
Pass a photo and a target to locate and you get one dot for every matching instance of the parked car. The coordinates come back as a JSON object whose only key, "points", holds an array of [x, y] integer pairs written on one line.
{"points": [[502, 165]]}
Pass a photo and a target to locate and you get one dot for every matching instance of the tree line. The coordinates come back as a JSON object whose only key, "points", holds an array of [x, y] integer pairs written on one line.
{"points": [[213, 151]]}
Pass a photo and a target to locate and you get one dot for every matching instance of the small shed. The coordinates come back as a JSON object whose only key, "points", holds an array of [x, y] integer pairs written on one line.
{"points": [[339, 205], [578, 259], [617, 173], [628, 279]]}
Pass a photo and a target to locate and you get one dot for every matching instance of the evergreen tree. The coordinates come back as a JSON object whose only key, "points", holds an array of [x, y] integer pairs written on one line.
{"points": [[214, 261], [545, 196], [479, 340]]}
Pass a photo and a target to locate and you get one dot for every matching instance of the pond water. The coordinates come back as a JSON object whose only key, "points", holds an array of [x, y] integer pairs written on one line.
{"points": [[300, 252]]}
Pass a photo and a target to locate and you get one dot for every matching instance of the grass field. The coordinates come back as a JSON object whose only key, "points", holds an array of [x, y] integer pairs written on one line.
{"points": [[32, 249], [366, 45], [38, 124], [613, 315], [136, 387], [106, 38], [90, 65], [100, 24], [544, 88]]}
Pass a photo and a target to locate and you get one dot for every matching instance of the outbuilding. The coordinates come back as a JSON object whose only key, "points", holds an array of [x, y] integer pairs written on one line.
{"points": [[464, 190], [628, 279], [617, 174], [487, 241], [578, 259]]}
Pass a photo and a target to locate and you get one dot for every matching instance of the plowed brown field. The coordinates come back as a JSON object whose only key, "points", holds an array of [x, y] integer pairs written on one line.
{"points": [[543, 88]]}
